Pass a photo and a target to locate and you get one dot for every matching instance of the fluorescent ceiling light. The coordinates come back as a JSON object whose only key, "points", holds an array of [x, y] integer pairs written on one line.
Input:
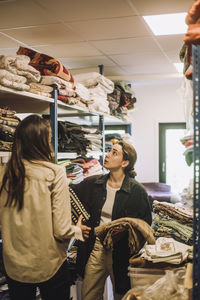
{"points": [[167, 23], [179, 67]]}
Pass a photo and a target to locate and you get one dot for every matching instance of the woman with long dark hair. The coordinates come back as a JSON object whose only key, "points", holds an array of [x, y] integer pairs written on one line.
{"points": [[35, 216]]}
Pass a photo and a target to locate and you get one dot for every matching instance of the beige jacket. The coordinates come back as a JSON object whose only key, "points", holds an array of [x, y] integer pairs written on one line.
{"points": [[35, 238]]}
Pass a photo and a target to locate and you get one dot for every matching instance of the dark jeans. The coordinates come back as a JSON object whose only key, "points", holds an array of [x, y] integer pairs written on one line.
{"points": [[56, 288]]}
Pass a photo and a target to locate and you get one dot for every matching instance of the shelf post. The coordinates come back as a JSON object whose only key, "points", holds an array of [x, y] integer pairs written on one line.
{"points": [[196, 196], [53, 122], [101, 69], [102, 129]]}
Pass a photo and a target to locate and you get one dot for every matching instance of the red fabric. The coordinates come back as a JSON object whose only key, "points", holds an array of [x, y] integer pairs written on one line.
{"points": [[189, 143], [47, 65], [63, 98]]}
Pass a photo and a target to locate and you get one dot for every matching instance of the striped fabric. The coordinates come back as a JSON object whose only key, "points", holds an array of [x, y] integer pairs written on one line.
{"points": [[77, 208]]}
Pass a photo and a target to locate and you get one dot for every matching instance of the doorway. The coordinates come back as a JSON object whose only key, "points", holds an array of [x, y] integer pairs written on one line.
{"points": [[173, 169]]}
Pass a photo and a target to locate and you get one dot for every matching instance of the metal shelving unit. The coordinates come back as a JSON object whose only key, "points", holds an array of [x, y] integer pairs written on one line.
{"points": [[196, 221]]}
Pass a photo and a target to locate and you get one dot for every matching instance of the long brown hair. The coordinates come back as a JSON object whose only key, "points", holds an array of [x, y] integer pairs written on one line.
{"points": [[130, 154], [31, 142]]}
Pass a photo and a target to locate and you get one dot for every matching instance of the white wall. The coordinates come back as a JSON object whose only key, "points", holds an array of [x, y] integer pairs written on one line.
{"points": [[156, 102]]}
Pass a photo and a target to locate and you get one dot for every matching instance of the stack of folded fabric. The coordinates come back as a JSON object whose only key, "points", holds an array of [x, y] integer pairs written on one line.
{"points": [[75, 138], [74, 172], [95, 138], [16, 73], [91, 166], [53, 74], [94, 87], [166, 250], [40, 89], [8, 124], [66, 92], [173, 221], [121, 100]]}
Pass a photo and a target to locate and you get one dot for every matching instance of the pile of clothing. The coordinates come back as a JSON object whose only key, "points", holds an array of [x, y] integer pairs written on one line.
{"points": [[39, 73], [166, 250], [76, 138], [95, 88], [16, 73], [8, 124], [88, 90], [121, 100], [173, 221], [80, 168]]}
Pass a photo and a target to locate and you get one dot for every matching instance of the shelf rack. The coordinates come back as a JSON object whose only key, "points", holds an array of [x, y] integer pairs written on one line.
{"points": [[196, 220]]}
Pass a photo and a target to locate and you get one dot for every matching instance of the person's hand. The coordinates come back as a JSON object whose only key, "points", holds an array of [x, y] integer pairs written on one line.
{"points": [[85, 229]]}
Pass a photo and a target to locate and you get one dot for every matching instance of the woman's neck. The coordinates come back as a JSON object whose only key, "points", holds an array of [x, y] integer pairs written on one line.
{"points": [[115, 179]]}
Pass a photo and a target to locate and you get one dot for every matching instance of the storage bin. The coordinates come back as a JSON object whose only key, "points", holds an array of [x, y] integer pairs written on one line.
{"points": [[144, 276]]}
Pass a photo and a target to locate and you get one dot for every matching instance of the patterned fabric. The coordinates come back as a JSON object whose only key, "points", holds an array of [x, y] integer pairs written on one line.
{"points": [[47, 65], [77, 208]]}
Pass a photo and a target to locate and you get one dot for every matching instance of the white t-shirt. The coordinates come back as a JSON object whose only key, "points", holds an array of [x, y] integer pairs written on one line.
{"points": [[106, 212]]}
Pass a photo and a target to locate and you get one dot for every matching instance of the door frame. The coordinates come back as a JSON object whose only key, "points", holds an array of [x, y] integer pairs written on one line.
{"points": [[162, 146]]}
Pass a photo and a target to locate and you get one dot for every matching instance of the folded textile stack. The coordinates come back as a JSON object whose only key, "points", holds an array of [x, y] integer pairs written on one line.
{"points": [[94, 87], [16, 73], [75, 138], [91, 166], [173, 221], [8, 124], [121, 100], [40, 89], [80, 168], [74, 172], [53, 74], [66, 92], [95, 138], [166, 250]]}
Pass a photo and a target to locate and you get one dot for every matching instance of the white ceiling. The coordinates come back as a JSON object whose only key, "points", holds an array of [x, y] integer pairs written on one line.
{"points": [[86, 33]]}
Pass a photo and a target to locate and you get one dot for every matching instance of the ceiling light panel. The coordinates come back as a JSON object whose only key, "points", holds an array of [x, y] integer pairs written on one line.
{"points": [[167, 24]]}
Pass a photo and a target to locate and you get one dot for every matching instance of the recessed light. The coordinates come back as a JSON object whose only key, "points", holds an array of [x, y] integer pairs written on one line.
{"points": [[166, 24]]}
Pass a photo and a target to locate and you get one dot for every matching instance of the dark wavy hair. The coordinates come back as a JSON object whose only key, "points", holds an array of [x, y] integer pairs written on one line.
{"points": [[130, 154], [31, 142]]}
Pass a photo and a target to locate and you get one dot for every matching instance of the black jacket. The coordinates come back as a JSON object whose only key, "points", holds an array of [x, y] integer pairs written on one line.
{"points": [[130, 201]]}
